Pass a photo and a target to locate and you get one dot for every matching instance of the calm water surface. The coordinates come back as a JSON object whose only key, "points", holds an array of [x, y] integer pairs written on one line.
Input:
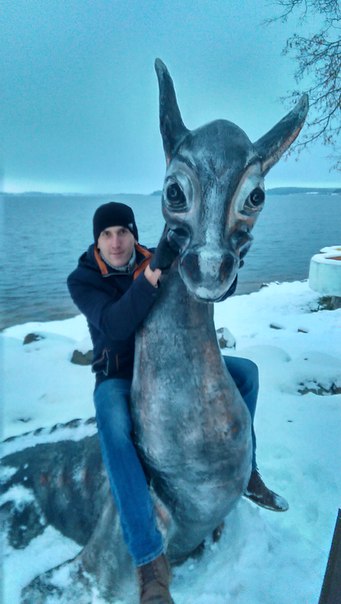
{"points": [[43, 236]]}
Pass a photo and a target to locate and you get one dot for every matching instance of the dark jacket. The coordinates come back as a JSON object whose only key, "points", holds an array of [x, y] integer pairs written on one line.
{"points": [[114, 304]]}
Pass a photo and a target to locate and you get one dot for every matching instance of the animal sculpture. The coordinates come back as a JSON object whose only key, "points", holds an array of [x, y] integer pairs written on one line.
{"points": [[192, 427]]}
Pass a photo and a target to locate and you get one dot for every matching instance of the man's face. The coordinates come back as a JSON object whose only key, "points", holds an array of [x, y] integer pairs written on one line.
{"points": [[116, 245]]}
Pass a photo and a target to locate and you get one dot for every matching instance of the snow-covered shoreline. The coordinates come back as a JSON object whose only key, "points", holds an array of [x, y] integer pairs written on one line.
{"points": [[262, 557]]}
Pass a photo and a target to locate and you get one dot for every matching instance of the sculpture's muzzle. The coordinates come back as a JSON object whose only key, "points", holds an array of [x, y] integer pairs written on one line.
{"points": [[208, 275]]}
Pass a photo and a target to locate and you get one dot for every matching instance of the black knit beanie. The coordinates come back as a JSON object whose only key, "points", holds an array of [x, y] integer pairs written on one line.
{"points": [[114, 214]]}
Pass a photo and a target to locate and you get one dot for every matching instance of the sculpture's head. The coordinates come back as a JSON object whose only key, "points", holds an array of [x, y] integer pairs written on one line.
{"points": [[214, 188]]}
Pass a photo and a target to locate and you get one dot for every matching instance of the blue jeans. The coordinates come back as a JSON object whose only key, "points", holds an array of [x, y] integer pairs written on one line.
{"points": [[126, 476], [245, 375]]}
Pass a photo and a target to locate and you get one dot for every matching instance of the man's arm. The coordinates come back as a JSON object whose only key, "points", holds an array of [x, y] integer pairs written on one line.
{"points": [[118, 318]]}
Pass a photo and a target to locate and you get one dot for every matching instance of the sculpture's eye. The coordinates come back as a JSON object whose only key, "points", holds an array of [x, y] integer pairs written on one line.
{"points": [[175, 197], [255, 199]]}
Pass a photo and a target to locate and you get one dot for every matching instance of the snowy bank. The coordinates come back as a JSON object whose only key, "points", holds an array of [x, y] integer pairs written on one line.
{"points": [[262, 557]]}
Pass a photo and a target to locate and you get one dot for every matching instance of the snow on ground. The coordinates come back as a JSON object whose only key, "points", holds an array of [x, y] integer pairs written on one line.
{"points": [[262, 557]]}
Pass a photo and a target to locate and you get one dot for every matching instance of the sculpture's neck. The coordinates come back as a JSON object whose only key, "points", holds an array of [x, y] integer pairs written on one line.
{"points": [[176, 307], [177, 321], [178, 332]]}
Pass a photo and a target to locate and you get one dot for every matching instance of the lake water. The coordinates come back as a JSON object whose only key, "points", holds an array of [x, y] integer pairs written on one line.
{"points": [[43, 236]]}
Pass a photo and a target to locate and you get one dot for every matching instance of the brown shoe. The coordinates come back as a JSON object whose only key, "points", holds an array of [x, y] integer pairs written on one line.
{"points": [[154, 579], [261, 495]]}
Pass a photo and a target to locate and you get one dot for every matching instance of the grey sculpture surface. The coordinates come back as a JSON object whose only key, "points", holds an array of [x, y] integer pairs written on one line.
{"points": [[192, 427]]}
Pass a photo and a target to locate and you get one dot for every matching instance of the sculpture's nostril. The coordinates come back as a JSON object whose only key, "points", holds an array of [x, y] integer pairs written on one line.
{"points": [[226, 268], [190, 263]]}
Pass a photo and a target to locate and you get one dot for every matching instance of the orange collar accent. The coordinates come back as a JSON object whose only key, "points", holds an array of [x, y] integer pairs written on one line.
{"points": [[138, 269], [102, 266], [147, 258]]}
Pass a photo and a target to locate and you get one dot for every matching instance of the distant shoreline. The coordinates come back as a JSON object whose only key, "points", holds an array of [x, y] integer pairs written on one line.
{"points": [[300, 190], [158, 193]]}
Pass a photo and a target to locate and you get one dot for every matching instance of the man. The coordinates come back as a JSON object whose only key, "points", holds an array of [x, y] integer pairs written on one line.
{"points": [[114, 286]]}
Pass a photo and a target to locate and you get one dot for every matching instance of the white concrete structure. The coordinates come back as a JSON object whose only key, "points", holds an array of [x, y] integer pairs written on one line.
{"points": [[325, 271]]}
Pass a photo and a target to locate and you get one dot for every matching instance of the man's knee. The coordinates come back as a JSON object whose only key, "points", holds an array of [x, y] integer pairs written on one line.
{"points": [[250, 380], [244, 372], [252, 372]]}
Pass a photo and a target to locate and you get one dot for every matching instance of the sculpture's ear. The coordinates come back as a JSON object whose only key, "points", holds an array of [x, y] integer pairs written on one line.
{"points": [[273, 144], [172, 127]]}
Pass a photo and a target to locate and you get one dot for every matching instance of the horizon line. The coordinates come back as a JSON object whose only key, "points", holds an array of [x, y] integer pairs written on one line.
{"points": [[156, 191]]}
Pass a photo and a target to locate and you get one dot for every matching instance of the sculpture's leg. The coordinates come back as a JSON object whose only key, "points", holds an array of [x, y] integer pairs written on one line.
{"points": [[103, 566], [67, 489]]}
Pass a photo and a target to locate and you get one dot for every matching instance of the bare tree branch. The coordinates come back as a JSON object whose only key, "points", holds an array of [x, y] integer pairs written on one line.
{"points": [[318, 60]]}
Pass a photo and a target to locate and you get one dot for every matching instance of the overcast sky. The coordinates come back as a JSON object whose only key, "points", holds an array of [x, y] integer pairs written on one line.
{"points": [[79, 95]]}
